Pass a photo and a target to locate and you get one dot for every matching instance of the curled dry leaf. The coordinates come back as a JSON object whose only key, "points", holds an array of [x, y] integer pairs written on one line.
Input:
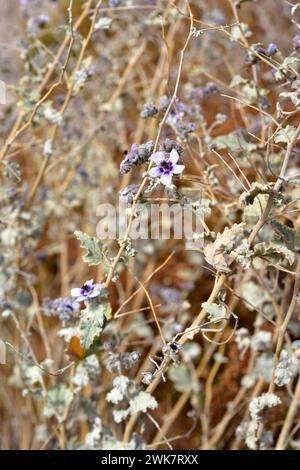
{"points": [[217, 253]]}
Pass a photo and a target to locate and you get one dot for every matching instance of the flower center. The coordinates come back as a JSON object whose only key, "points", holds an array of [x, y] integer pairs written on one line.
{"points": [[166, 167], [86, 289]]}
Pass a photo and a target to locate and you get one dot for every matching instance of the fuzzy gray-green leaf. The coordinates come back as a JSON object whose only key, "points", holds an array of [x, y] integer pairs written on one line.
{"points": [[92, 322], [93, 247]]}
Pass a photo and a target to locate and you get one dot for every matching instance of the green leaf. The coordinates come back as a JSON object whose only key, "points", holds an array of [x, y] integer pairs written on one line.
{"points": [[122, 391], [252, 212], [288, 235], [181, 377], [119, 390], [290, 61], [81, 76], [216, 312], [141, 403], [237, 80], [292, 95], [51, 114], [86, 371], [190, 351], [103, 23], [285, 135], [284, 69], [57, 400], [234, 142], [120, 415], [93, 246], [236, 32], [286, 369], [92, 322], [275, 251], [254, 295], [248, 197], [48, 148], [250, 92]]}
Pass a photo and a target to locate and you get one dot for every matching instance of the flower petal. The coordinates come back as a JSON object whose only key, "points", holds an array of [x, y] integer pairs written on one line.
{"points": [[166, 179], [178, 169], [75, 305], [173, 158], [81, 298], [76, 292], [154, 172], [157, 157]]}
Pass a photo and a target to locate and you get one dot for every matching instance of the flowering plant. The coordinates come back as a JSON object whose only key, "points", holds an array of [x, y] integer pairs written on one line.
{"points": [[89, 290], [165, 167]]}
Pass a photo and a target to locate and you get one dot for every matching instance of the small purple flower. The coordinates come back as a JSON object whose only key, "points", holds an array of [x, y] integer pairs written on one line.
{"points": [[89, 290], [114, 3], [163, 103], [166, 167], [272, 49], [43, 20], [296, 43], [65, 308], [137, 155]]}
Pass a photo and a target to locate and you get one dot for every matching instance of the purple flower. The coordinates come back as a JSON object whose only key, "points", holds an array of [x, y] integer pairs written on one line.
{"points": [[166, 167], [65, 308], [163, 103], [137, 155], [114, 3], [89, 290], [174, 117], [43, 20], [296, 43], [272, 49]]}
